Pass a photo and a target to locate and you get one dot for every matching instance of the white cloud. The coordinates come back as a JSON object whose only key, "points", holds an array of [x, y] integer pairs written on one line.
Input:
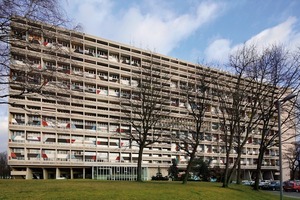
{"points": [[148, 29], [280, 34], [283, 33], [90, 13], [218, 50]]}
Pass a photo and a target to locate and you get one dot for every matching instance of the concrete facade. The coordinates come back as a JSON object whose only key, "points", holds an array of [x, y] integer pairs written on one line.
{"points": [[76, 133]]}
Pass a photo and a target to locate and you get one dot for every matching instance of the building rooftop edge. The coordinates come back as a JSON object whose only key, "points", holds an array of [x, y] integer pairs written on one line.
{"points": [[178, 60]]}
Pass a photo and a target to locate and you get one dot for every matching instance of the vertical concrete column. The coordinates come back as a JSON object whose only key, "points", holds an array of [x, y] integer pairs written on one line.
{"points": [[29, 174], [25, 151], [93, 173], [245, 174], [57, 173], [45, 173], [71, 173], [234, 175], [83, 173], [260, 176], [248, 175], [272, 175]]}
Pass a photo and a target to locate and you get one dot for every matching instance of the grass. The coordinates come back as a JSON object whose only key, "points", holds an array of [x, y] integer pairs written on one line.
{"points": [[93, 189]]}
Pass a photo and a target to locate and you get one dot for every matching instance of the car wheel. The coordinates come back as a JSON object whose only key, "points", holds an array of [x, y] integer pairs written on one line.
{"points": [[273, 189], [297, 190]]}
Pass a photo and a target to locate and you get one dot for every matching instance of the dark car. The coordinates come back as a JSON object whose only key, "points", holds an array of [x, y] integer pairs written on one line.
{"points": [[274, 185], [291, 186]]}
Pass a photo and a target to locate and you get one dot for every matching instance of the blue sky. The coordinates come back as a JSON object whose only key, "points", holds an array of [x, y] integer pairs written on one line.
{"points": [[191, 30]]}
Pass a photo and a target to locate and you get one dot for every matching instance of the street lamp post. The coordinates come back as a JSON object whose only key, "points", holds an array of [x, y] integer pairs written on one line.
{"points": [[278, 104]]}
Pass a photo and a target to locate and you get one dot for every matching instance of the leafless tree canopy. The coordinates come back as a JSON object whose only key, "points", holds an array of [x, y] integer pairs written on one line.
{"points": [[292, 154], [49, 12], [196, 93], [262, 78], [144, 109], [39, 10]]}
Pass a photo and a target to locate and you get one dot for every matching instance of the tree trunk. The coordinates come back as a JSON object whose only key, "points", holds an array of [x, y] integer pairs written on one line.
{"points": [[292, 176], [238, 174], [226, 172], [139, 166], [298, 168], [233, 169], [258, 168], [189, 166]]}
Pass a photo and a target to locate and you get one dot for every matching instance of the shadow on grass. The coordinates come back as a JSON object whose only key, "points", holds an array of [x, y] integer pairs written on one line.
{"points": [[232, 187]]}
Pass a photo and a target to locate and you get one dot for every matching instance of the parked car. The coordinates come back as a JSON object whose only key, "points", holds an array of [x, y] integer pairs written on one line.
{"points": [[212, 179], [247, 182], [263, 183], [291, 185], [160, 177], [273, 185]]}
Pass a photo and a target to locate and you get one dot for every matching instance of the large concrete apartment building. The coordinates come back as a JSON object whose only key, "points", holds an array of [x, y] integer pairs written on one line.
{"points": [[75, 133]]}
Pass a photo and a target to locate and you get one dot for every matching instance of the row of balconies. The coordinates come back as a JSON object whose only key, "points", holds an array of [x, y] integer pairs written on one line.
{"points": [[83, 108], [70, 47], [107, 145], [67, 123], [75, 111], [95, 126], [79, 72], [98, 130], [116, 157], [109, 129], [92, 73], [45, 121], [79, 155], [90, 46], [63, 72], [55, 143], [64, 36], [126, 94], [221, 160]]}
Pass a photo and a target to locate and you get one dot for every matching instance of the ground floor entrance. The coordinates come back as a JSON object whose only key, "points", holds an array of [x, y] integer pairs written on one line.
{"points": [[128, 173]]}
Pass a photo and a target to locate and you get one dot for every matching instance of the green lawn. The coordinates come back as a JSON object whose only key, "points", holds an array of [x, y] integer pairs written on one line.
{"points": [[93, 189]]}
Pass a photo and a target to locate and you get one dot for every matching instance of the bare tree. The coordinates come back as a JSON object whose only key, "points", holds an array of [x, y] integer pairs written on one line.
{"points": [[17, 71], [247, 107], [274, 74], [292, 154], [145, 110], [238, 109], [279, 72], [196, 97], [4, 168]]}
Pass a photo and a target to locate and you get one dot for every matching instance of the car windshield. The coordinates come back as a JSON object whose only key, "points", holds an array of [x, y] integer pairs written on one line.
{"points": [[291, 183]]}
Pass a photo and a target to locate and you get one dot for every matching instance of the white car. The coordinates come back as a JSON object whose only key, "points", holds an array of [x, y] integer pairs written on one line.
{"points": [[263, 183]]}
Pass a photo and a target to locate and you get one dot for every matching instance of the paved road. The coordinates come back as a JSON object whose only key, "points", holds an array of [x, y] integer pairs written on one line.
{"points": [[295, 195]]}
